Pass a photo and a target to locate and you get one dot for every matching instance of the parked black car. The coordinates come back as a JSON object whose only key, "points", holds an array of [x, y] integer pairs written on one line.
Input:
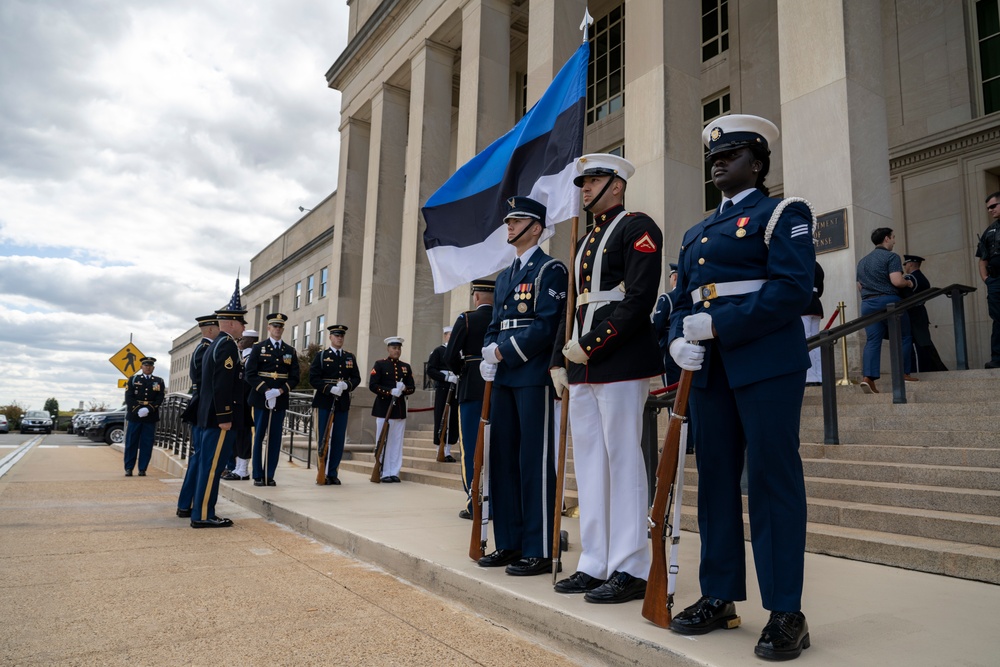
{"points": [[108, 427], [36, 421]]}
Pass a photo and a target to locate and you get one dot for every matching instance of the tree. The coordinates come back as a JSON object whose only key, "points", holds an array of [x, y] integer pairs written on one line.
{"points": [[305, 360], [97, 406], [13, 412], [52, 407]]}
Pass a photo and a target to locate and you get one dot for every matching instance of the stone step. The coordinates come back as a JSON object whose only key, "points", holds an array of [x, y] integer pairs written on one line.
{"points": [[905, 473], [908, 422], [914, 438], [909, 410], [925, 395], [945, 456]]}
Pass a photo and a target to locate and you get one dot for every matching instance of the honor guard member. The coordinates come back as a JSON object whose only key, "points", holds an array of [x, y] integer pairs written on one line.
{"points": [[613, 353], [530, 298], [243, 437], [812, 318], [334, 374], [209, 326], [391, 378], [143, 395], [746, 275], [444, 379], [463, 354], [661, 325], [988, 253], [272, 372], [220, 407]]}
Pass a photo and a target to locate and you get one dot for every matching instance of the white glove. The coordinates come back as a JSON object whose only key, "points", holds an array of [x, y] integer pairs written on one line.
{"points": [[575, 353], [397, 392], [688, 356], [342, 386], [560, 379], [270, 403], [142, 412], [272, 394], [487, 370], [336, 390], [400, 386], [490, 354], [698, 327], [450, 377]]}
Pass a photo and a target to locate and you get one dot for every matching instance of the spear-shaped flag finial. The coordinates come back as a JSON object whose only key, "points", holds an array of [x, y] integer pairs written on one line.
{"points": [[588, 21]]}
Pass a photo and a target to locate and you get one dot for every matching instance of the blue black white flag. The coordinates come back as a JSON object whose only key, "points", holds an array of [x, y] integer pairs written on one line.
{"points": [[465, 236]]}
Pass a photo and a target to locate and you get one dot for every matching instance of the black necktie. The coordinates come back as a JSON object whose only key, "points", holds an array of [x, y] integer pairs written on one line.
{"points": [[728, 205], [517, 264]]}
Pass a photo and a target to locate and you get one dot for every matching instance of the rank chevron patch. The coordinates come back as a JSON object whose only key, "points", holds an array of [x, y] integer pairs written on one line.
{"points": [[645, 244]]}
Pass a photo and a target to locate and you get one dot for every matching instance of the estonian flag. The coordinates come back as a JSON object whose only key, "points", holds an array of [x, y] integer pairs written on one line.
{"points": [[465, 236]]}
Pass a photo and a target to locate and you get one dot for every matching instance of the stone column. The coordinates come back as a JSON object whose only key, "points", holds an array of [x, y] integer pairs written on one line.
{"points": [[428, 152], [379, 294], [834, 136]]}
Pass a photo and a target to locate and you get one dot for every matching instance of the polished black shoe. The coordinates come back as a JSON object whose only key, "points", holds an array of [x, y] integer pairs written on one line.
{"points": [[184, 514], [620, 587], [529, 567], [500, 557], [784, 636], [128, 473], [214, 522], [270, 482], [386, 480], [450, 459], [705, 615], [142, 473], [396, 479], [578, 582], [465, 514], [332, 481], [233, 477], [259, 482]]}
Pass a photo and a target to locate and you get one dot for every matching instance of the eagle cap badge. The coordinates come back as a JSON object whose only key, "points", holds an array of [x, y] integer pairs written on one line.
{"points": [[716, 133]]}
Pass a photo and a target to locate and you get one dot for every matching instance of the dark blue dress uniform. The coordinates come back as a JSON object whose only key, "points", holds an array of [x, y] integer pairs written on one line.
{"points": [[329, 367], [529, 304], [748, 394], [186, 496], [661, 325], [141, 391], [463, 354], [436, 368], [270, 366]]}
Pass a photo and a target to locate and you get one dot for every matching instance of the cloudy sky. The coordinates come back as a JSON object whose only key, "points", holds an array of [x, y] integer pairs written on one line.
{"points": [[148, 150]]}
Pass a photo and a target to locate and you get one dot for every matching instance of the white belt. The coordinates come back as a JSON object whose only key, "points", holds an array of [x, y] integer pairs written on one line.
{"points": [[515, 323], [734, 288], [607, 296]]}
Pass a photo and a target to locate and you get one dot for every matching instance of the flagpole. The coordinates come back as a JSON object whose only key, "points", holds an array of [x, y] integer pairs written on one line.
{"points": [[588, 21]]}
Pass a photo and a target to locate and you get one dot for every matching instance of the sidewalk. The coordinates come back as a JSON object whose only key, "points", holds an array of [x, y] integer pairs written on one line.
{"points": [[858, 613]]}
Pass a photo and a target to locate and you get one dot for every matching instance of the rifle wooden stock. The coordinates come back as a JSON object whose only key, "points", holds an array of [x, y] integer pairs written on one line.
{"points": [[445, 416], [323, 449], [656, 606], [477, 543], [383, 437]]}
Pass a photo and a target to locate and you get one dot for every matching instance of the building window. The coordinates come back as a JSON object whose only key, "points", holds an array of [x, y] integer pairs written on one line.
{"points": [[606, 72], [323, 274], [295, 336], [988, 27], [306, 335], [710, 110], [310, 288], [714, 28], [320, 326], [298, 295]]}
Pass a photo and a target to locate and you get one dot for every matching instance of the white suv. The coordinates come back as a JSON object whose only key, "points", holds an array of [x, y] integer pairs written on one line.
{"points": [[4, 426]]}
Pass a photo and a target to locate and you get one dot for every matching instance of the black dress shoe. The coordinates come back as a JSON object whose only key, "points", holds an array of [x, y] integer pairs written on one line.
{"points": [[128, 473], [784, 636], [620, 587], [224, 520], [142, 473], [578, 582], [465, 514], [214, 522], [705, 615], [233, 477], [529, 567], [184, 514], [259, 482], [450, 459], [396, 479], [500, 557], [386, 480], [270, 482], [332, 481]]}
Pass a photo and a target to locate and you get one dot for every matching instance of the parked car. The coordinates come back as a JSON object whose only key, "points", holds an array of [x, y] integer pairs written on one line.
{"points": [[4, 426], [108, 427], [36, 421]]}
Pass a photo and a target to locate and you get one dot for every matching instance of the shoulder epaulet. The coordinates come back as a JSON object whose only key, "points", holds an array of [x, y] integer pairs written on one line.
{"points": [[777, 214]]}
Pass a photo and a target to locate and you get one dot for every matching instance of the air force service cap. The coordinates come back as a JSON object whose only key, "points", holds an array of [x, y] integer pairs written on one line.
{"points": [[736, 131], [525, 208], [602, 164]]}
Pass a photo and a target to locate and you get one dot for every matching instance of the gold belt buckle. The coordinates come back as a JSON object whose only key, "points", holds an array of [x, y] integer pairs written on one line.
{"points": [[708, 292]]}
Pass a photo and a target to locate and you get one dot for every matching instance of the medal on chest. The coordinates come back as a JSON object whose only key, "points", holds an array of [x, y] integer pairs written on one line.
{"points": [[741, 223]]}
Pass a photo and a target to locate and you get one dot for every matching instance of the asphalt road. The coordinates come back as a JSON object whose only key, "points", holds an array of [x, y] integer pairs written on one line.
{"points": [[95, 569]]}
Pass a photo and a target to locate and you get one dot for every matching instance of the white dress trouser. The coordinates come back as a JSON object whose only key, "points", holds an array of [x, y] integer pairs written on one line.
{"points": [[815, 372], [393, 459], [606, 423]]}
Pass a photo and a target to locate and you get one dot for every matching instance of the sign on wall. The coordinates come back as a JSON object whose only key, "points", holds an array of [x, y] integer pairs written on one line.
{"points": [[831, 231]]}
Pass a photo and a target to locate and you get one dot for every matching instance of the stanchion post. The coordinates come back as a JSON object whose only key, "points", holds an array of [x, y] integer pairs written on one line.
{"points": [[846, 380]]}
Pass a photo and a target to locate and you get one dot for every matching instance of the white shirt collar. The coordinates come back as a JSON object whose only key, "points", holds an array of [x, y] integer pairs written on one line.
{"points": [[738, 197], [527, 253], [274, 343]]}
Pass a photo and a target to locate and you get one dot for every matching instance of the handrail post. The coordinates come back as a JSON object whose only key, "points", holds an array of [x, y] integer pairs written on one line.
{"points": [[958, 319], [831, 434], [896, 354]]}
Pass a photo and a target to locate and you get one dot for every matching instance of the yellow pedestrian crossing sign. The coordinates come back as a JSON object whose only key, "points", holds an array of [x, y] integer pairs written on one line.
{"points": [[127, 359], [122, 384]]}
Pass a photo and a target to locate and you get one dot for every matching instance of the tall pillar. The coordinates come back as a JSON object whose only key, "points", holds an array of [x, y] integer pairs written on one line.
{"points": [[349, 227], [428, 153], [663, 116], [483, 100], [835, 142], [379, 294]]}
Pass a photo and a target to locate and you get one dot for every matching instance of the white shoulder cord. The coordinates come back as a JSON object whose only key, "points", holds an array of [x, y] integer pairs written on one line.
{"points": [[777, 214]]}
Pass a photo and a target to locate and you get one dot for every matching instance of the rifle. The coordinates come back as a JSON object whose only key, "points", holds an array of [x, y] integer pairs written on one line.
{"points": [[444, 422], [659, 600], [324, 447], [481, 497], [265, 445], [383, 436], [564, 415]]}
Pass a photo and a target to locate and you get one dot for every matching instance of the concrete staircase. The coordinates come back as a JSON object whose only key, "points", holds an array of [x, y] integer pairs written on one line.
{"points": [[915, 486]]}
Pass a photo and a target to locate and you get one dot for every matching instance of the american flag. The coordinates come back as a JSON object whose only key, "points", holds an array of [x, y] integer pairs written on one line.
{"points": [[235, 305]]}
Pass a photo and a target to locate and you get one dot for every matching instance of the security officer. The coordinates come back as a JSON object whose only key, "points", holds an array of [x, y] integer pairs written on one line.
{"points": [[661, 325], [334, 374], [530, 298], [988, 252], [391, 378], [209, 326], [925, 356], [272, 371], [463, 354], [613, 352], [745, 277], [143, 395], [243, 436], [444, 385], [220, 408]]}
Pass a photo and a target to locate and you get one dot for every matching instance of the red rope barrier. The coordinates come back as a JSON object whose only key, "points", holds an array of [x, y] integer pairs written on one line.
{"points": [[657, 392], [408, 409], [832, 318]]}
